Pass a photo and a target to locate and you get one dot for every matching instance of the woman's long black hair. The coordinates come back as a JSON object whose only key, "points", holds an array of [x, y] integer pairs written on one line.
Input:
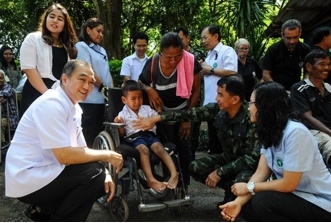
{"points": [[273, 112]]}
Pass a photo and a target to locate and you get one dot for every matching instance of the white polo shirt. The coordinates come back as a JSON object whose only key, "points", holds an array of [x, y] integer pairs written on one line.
{"points": [[132, 66], [52, 121], [223, 57], [129, 116]]}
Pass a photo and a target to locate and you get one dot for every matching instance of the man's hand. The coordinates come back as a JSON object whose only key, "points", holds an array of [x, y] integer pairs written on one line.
{"points": [[109, 187], [116, 160], [104, 91], [213, 179], [146, 123]]}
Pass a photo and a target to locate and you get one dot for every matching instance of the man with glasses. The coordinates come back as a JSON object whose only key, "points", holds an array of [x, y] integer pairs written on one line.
{"points": [[283, 60], [221, 61]]}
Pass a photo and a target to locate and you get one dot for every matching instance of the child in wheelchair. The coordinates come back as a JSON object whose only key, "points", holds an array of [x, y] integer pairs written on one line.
{"points": [[143, 141]]}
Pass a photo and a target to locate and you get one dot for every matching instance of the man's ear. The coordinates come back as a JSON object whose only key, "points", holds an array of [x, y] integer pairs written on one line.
{"points": [[64, 78], [309, 66], [236, 99]]}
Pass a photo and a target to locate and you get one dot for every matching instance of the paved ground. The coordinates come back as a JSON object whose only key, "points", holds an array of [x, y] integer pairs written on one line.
{"points": [[202, 210]]}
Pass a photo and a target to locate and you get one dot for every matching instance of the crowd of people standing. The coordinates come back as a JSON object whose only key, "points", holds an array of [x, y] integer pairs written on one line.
{"points": [[63, 110]]}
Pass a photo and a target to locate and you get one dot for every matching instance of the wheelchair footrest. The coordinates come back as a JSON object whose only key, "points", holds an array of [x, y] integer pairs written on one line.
{"points": [[178, 202], [151, 207]]}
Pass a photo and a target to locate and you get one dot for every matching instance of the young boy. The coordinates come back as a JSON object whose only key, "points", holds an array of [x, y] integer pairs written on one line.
{"points": [[143, 140]]}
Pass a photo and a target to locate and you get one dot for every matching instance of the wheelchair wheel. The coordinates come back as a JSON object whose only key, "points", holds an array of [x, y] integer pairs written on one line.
{"points": [[119, 209], [104, 142]]}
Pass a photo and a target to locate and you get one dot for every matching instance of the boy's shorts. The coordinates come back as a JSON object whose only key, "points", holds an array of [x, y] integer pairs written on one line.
{"points": [[146, 138]]}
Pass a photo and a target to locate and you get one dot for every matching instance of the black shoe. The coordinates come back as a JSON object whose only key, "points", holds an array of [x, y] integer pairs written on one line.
{"points": [[34, 213]]}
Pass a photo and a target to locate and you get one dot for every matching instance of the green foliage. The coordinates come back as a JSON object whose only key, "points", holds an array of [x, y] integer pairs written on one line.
{"points": [[237, 18], [115, 69]]}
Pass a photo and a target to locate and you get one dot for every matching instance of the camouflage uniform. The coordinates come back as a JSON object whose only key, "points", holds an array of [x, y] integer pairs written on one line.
{"points": [[239, 145], [199, 55]]}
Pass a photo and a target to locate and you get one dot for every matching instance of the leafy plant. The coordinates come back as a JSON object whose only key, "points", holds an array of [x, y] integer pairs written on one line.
{"points": [[115, 69]]}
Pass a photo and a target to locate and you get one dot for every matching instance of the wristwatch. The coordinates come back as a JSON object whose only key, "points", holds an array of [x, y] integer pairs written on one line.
{"points": [[251, 187], [220, 172], [211, 71]]}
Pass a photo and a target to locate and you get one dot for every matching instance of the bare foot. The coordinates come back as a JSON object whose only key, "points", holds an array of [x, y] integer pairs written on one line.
{"points": [[172, 182], [157, 185]]}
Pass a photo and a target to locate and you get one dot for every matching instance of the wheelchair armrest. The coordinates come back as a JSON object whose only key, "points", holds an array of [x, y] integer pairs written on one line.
{"points": [[114, 124], [169, 147]]}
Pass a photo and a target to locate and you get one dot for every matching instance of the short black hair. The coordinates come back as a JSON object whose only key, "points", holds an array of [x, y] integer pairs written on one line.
{"points": [[313, 55], [234, 85], [139, 35], [183, 29], [130, 85], [71, 66], [212, 30], [291, 24], [319, 33]]}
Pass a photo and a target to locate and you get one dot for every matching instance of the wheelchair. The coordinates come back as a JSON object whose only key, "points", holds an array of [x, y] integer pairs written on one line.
{"points": [[131, 176]]}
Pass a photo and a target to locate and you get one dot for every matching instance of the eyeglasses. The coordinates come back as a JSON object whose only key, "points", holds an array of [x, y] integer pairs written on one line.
{"points": [[205, 37], [243, 49], [251, 102]]}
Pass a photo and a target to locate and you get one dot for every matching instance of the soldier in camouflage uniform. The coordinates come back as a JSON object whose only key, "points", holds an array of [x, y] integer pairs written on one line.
{"points": [[236, 136], [200, 56]]}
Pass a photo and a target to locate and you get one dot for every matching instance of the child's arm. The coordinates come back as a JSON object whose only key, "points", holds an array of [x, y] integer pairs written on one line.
{"points": [[121, 129]]}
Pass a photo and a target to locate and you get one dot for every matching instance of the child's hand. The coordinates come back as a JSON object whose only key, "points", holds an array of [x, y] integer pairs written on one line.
{"points": [[118, 119]]}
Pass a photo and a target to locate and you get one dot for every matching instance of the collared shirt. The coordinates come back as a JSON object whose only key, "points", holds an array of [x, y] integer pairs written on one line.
{"points": [[222, 57], [285, 66], [298, 152], [306, 97], [36, 54], [97, 57], [132, 66], [129, 117], [236, 136], [52, 121]]}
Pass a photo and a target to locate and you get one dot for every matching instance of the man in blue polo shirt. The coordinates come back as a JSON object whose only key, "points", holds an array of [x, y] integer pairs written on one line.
{"points": [[312, 99], [283, 60]]}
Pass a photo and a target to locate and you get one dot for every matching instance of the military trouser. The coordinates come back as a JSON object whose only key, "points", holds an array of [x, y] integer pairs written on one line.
{"points": [[202, 167], [324, 145]]}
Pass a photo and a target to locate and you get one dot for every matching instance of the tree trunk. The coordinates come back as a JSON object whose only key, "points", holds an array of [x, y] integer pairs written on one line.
{"points": [[110, 13]]}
